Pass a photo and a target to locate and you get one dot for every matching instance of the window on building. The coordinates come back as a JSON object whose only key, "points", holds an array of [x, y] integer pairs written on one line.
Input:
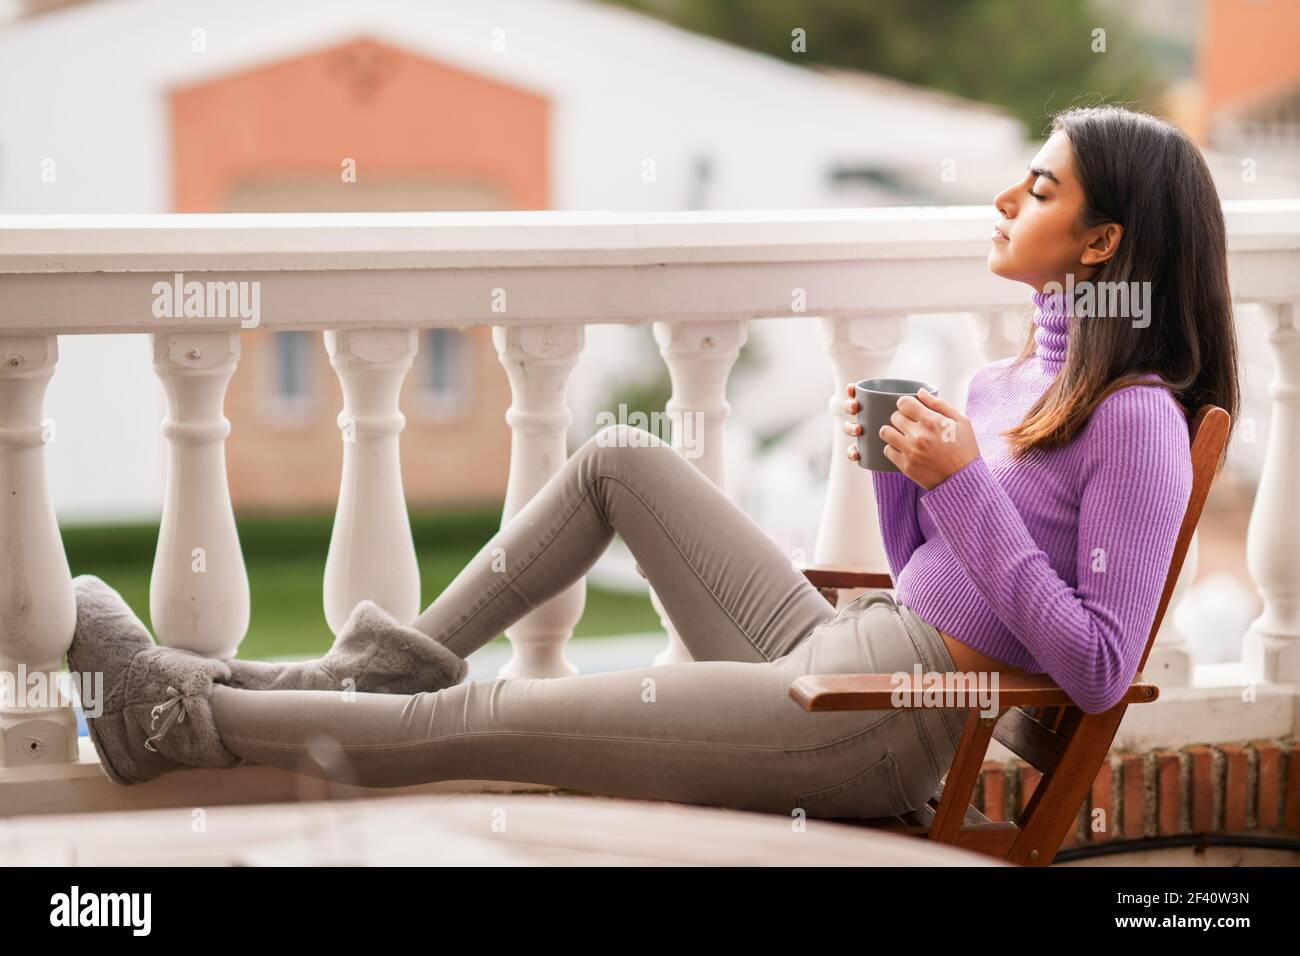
{"points": [[292, 365], [443, 380]]}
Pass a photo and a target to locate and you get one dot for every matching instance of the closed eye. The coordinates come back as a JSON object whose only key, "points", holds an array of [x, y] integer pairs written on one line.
{"points": [[1035, 195]]}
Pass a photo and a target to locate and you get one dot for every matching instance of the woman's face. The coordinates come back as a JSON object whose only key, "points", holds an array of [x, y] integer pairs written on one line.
{"points": [[1039, 217]]}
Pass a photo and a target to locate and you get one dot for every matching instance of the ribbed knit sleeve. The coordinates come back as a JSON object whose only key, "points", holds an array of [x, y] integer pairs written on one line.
{"points": [[1135, 473], [896, 498]]}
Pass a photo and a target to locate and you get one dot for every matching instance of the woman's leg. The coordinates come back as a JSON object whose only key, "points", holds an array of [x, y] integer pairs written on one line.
{"points": [[722, 733], [730, 590]]}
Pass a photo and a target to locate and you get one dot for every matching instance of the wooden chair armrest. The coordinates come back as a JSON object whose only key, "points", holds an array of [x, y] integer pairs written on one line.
{"points": [[818, 692], [843, 576]]}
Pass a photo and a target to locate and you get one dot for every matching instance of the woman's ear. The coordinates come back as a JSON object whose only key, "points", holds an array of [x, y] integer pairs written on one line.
{"points": [[1102, 243]]}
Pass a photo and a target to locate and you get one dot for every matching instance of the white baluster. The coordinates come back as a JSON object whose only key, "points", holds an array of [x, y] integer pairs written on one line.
{"points": [[991, 336], [849, 533], [372, 552], [37, 608], [1271, 647], [700, 356], [538, 361], [198, 595]]}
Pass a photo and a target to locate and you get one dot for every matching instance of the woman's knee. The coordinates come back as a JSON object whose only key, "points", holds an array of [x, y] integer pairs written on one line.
{"points": [[613, 445], [623, 435], [621, 456]]}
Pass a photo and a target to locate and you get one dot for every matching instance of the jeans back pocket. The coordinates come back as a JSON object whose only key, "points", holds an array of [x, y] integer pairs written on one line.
{"points": [[876, 791]]}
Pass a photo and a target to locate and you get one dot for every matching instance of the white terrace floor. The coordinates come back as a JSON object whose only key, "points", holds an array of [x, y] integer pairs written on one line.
{"points": [[533, 829]]}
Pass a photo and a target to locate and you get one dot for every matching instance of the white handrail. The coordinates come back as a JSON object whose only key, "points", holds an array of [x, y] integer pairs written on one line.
{"points": [[327, 271]]}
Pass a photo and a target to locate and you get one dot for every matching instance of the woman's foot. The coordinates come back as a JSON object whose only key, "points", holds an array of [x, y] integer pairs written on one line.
{"points": [[373, 654], [153, 713]]}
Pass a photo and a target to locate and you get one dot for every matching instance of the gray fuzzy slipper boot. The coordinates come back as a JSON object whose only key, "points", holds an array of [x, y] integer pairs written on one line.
{"points": [[154, 714], [374, 650]]}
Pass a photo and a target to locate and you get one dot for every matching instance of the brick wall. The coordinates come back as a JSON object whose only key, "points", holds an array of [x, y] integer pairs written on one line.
{"points": [[1251, 787]]}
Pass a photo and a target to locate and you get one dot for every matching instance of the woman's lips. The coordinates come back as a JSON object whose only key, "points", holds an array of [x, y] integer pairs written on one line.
{"points": [[997, 235]]}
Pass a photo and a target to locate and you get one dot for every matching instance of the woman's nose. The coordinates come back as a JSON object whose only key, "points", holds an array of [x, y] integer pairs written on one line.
{"points": [[1001, 202]]}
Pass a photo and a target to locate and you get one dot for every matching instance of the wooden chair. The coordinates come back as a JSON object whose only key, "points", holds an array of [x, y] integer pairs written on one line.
{"points": [[1036, 719]]}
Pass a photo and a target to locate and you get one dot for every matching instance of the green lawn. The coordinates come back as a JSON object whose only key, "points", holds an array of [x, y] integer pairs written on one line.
{"points": [[285, 557]]}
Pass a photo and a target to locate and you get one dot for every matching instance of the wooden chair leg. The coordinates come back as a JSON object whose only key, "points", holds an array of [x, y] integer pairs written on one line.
{"points": [[1064, 786], [966, 764]]}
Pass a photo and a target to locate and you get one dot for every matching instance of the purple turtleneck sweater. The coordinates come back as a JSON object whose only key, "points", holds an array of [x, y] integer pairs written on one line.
{"points": [[1053, 563]]}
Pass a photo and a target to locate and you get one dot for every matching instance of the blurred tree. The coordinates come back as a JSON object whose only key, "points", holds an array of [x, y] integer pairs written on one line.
{"points": [[1033, 57]]}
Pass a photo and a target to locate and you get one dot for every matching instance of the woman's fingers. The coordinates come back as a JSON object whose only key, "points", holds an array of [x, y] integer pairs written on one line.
{"points": [[892, 436], [852, 452], [851, 426]]}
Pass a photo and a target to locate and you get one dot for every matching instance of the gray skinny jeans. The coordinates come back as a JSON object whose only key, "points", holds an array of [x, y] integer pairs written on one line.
{"points": [[721, 730]]}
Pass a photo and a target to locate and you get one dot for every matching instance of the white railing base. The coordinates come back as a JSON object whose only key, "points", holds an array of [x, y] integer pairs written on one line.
{"points": [[1208, 715], [1199, 715], [37, 737], [82, 787]]}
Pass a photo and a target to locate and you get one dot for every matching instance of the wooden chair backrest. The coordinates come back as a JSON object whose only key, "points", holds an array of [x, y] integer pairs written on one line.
{"points": [[1208, 431]]}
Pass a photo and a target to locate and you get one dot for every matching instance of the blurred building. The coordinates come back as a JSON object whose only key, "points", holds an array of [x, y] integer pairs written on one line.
{"points": [[1249, 75], [160, 105]]}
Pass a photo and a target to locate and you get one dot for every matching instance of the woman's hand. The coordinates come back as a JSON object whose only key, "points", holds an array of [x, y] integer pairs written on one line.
{"points": [[927, 438]]}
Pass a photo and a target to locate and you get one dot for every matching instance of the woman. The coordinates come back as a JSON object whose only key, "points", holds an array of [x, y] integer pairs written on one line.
{"points": [[1031, 534]]}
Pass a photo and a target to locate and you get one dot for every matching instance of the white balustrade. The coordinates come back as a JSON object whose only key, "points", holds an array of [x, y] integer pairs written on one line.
{"points": [[371, 551], [1271, 647], [538, 361], [698, 277], [37, 609], [198, 595], [699, 356]]}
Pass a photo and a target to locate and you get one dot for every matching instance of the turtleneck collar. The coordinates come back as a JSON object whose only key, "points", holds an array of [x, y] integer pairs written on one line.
{"points": [[1051, 329]]}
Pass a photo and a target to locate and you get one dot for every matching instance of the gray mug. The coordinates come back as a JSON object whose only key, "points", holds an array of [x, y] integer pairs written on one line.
{"points": [[877, 402]]}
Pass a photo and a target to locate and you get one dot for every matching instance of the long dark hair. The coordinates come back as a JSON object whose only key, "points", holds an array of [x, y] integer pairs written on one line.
{"points": [[1147, 175]]}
